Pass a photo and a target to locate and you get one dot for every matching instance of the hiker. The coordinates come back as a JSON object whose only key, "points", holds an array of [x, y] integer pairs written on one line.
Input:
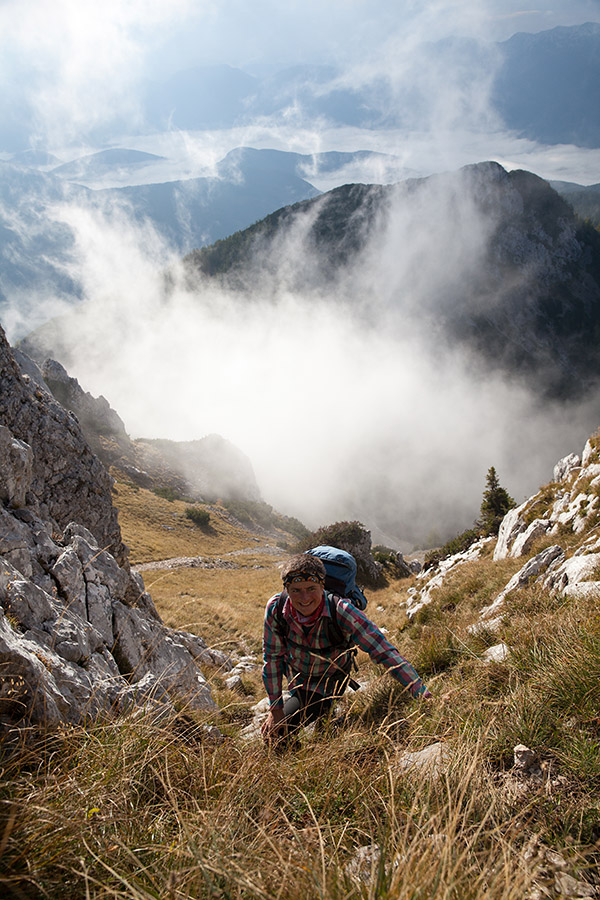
{"points": [[309, 635]]}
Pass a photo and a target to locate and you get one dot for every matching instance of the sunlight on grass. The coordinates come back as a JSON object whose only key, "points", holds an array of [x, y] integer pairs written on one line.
{"points": [[154, 528], [224, 606], [133, 809]]}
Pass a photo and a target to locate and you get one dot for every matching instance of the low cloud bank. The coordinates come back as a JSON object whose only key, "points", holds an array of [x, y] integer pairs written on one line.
{"points": [[343, 397]]}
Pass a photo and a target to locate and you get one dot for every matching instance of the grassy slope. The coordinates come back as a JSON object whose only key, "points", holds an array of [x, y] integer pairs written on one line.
{"points": [[156, 529], [134, 810]]}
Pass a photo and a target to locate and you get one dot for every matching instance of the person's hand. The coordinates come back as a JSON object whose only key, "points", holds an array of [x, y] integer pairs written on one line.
{"points": [[272, 724]]}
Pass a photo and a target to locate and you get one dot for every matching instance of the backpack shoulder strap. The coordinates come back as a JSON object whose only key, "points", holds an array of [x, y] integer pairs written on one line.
{"points": [[335, 633]]}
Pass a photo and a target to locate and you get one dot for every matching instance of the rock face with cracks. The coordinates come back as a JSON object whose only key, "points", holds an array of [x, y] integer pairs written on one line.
{"points": [[79, 635], [569, 505]]}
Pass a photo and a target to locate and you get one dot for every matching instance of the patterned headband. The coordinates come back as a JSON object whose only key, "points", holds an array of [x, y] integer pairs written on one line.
{"points": [[293, 577]]}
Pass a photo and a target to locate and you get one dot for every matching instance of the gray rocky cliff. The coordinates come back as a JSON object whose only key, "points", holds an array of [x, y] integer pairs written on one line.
{"points": [[79, 635], [68, 481]]}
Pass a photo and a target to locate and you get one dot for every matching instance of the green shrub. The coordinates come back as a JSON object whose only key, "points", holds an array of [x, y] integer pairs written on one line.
{"points": [[250, 512], [392, 562], [346, 536], [253, 512], [167, 493], [200, 517], [457, 544]]}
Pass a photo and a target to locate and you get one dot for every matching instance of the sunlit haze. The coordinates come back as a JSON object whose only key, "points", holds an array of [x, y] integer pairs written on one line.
{"points": [[420, 432]]}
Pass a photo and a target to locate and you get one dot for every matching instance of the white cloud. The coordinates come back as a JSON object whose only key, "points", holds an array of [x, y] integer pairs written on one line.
{"points": [[418, 432], [346, 408], [78, 60]]}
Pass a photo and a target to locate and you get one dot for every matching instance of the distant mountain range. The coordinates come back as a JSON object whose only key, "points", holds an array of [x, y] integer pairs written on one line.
{"points": [[585, 200], [543, 86], [38, 261], [38, 253], [96, 165], [548, 85]]}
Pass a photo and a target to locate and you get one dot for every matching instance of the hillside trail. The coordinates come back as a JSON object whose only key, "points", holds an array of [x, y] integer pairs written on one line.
{"points": [[210, 562]]}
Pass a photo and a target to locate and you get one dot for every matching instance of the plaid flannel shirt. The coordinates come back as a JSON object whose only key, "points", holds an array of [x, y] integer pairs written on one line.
{"points": [[309, 661]]}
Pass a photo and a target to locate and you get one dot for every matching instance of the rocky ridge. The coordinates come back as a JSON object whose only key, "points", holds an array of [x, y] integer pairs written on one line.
{"points": [[525, 298], [536, 531], [79, 634]]}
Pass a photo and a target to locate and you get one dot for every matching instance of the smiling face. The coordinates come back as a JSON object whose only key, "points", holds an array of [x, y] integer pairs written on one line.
{"points": [[305, 596]]}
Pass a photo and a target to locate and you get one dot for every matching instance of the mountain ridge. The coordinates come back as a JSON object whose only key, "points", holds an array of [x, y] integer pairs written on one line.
{"points": [[538, 267]]}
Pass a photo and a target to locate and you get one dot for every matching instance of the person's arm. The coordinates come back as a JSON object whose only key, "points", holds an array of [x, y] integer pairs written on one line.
{"points": [[273, 665], [273, 657], [371, 639]]}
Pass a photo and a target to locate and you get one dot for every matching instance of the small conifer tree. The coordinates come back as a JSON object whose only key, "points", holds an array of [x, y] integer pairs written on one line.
{"points": [[495, 504]]}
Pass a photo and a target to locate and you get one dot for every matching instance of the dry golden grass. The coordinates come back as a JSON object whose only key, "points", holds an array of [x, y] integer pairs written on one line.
{"points": [[133, 810], [154, 528], [224, 606]]}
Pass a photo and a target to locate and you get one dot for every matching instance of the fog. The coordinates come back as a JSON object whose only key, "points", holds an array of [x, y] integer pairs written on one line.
{"points": [[341, 395]]}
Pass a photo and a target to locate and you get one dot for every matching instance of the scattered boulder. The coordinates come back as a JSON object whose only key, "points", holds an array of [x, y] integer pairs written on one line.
{"points": [[243, 664], [524, 541], [550, 876], [524, 758], [435, 578], [565, 466], [260, 712], [590, 453], [573, 571], [511, 527], [234, 683], [571, 510], [433, 759], [498, 653], [364, 865]]}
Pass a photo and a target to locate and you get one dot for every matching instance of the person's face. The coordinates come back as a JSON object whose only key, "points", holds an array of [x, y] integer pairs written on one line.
{"points": [[305, 596]]}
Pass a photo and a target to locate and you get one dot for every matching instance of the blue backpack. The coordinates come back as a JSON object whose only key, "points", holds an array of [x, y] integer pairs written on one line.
{"points": [[340, 579]]}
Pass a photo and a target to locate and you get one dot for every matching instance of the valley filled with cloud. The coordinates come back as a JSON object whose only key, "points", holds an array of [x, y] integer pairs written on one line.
{"points": [[344, 392]]}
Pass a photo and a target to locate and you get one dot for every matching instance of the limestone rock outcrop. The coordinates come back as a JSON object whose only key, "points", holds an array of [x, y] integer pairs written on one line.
{"points": [[79, 634], [569, 505], [433, 578], [68, 483]]}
